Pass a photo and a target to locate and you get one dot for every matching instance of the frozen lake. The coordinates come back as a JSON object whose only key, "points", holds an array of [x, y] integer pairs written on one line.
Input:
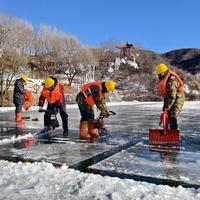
{"points": [[132, 122]]}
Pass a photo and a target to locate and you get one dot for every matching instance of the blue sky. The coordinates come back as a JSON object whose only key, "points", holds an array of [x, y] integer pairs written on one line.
{"points": [[157, 25]]}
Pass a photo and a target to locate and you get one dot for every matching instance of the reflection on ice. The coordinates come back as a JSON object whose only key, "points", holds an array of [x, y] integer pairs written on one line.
{"points": [[179, 164], [140, 160]]}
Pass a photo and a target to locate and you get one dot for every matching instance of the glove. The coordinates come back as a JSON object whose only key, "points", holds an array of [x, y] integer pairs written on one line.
{"points": [[104, 113], [164, 118], [161, 118], [40, 109]]}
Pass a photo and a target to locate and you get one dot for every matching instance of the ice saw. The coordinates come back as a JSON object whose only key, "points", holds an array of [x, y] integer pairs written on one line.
{"points": [[99, 124]]}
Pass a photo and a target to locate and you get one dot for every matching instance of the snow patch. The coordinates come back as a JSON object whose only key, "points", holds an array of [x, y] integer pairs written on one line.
{"points": [[43, 181], [14, 139]]}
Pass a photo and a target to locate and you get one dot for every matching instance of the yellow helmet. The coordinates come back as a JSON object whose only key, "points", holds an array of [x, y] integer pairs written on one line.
{"points": [[25, 78], [48, 82], [161, 68], [110, 85]]}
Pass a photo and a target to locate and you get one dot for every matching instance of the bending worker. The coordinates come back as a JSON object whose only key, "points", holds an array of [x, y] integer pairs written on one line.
{"points": [[54, 93], [92, 94], [171, 88], [18, 97]]}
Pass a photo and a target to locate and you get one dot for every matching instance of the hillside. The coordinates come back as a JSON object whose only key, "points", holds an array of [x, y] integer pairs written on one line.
{"points": [[139, 82], [186, 59], [135, 76]]}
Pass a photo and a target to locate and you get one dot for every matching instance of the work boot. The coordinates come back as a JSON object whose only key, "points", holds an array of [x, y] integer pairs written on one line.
{"points": [[65, 133], [93, 132], [83, 130], [44, 130], [173, 123], [19, 119]]}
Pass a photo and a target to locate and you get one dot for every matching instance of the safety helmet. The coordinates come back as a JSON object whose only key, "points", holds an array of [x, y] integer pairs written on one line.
{"points": [[161, 68], [48, 82], [110, 85], [25, 78]]}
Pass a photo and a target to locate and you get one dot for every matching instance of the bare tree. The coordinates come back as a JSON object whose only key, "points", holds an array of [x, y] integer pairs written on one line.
{"points": [[10, 65], [70, 70], [15, 34], [87, 63], [81, 64], [110, 45]]}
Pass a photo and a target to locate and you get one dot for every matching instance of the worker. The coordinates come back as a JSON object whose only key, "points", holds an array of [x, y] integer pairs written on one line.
{"points": [[92, 94], [18, 97], [171, 88], [53, 91]]}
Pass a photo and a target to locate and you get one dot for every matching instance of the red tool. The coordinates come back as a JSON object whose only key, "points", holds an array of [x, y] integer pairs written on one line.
{"points": [[164, 135], [28, 98]]}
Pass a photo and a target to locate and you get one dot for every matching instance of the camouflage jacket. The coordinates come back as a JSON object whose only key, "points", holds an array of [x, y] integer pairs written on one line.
{"points": [[173, 95], [100, 103]]}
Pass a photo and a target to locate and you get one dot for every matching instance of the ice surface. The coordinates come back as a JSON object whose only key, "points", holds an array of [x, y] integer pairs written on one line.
{"points": [[132, 122], [182, 164], [69, 152]]}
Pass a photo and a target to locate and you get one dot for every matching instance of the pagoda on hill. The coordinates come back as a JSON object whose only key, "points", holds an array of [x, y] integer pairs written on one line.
{"points": [[125, 49]]}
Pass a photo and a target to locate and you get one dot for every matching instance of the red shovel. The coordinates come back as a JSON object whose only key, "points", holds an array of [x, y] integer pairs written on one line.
{"points": [[164, 135]]}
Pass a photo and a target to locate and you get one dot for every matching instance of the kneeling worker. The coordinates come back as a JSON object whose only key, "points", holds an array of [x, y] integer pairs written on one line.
{"points": [[92, 94], [54, 93]]}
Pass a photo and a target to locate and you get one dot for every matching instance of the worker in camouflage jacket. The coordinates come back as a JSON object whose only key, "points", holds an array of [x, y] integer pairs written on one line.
{"points": [[171, 89], [92, 94]]}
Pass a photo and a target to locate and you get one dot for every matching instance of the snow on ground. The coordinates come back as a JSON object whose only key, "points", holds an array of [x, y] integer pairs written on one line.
{"points": [[14, 139], [43, 181]]}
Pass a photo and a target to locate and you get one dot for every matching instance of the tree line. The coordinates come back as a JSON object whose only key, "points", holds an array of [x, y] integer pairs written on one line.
{"points": [[42, 51]]}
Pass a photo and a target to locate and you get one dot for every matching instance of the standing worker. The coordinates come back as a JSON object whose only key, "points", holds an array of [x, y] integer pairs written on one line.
{"points": [[54, 93], [171, 88], [92, 94], [18, 97]]}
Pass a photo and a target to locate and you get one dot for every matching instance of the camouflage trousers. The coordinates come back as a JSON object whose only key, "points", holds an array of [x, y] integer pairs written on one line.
{"points": [[174, 111], [86, 111]]}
